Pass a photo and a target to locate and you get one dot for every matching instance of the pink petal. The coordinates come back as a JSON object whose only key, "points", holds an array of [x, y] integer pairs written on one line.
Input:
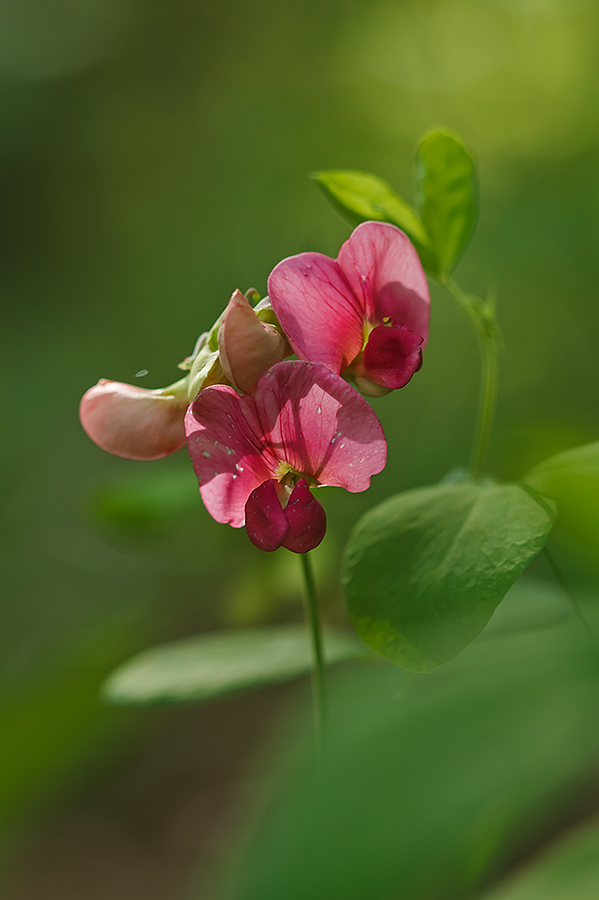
{"points": [[317, 310], [392, 356], [134, 422], [307, 521], [320, 425], [384, 271], [225, 443], [247, 346], [265, 519]]}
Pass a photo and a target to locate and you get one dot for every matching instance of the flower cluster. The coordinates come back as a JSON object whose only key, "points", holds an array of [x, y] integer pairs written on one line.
{"points": [[263, 430]]}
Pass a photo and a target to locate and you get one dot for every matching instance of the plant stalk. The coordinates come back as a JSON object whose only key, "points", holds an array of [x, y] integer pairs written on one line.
{"points": [[313, 620], [487, 401], [483, 325]]}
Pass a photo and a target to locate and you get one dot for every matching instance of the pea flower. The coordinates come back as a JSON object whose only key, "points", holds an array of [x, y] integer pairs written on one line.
{"points": [[257, 456], [134, 422], [364, 314]]}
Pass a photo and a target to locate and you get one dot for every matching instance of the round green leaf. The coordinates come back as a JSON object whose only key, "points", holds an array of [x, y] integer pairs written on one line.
{"points": [[447, 189], [425, 569], [210, 665]]}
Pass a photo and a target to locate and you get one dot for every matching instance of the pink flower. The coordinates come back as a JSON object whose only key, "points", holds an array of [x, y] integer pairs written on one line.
{"points": [[256, 456], [134, 422], [247, 346], [366, 312]]}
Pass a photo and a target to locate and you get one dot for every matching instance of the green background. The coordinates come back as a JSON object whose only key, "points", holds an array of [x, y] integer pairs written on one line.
{"points": [[154, 157]]}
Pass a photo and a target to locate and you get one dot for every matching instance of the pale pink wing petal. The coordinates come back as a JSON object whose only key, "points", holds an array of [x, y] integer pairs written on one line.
{"points": [[384, 271], [134, 422], [317, 310], [226, 448], [317, 423]]}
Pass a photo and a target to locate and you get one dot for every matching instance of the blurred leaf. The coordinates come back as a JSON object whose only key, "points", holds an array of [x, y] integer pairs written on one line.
{"points": [[144, 502], [530, 605], [447, 192], [549, 477], [571, 479], [208, 666], [425, 569], [568, 871], [425, 792], [363, 196]]}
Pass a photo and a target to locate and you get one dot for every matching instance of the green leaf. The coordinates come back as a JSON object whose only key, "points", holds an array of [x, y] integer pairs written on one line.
{"points": [[447, 190], [362, 196], [423, 793], [425, 569], [553, 475], [571, 479], [568, 871], [211, 665]]}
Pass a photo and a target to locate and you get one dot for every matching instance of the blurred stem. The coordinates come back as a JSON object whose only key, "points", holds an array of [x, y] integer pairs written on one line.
{"points": [[482, 320], [313, 619]]}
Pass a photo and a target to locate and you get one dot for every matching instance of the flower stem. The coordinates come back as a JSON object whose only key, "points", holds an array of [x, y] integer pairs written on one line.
{"points": [[487, 400], [482, 319], [313, 619]]}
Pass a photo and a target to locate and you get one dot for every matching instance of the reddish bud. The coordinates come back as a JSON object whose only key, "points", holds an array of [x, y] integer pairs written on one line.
{"points": [[248, 347]]}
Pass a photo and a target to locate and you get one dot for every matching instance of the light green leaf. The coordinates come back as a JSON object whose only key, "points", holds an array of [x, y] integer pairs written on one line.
{"points": [[552, 475], [362, 196], [571, 479], [568, 871], [202, 668], [425, 569], [447, 190]]}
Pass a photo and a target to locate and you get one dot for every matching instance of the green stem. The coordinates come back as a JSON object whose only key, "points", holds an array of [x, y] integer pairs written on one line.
{"points": [[313, 619], [486, 335], [487, 401]]}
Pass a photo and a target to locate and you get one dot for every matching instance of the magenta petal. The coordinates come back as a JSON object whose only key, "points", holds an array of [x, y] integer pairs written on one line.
{"points": [[307, 520], [317, 310], [384, 271], [227, 448], [265, 518], [318, 424], [392, 355]]}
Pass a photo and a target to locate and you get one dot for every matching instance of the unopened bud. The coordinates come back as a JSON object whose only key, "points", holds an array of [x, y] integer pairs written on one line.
{"points": [[248, 346], [134, 422]]}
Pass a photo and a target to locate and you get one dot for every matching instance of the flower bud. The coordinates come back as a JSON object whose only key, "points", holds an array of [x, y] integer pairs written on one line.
{"points": [[134, 422], [247, 346]]}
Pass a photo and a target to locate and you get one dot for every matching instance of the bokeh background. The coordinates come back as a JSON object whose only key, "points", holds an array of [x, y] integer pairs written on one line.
{"points": [[154, 157]]}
